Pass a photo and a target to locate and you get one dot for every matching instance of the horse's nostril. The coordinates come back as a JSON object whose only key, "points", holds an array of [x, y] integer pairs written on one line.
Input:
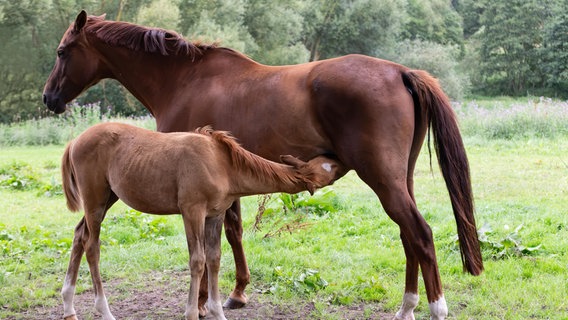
{"points": [[44, 99]]}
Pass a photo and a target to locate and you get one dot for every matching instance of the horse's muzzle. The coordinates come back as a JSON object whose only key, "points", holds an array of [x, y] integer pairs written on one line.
{"points": [[54, 103]]}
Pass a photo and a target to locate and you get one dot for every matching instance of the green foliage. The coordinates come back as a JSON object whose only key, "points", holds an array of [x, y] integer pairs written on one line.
{"points": [[16, 245], [276, 27], [506, 247], [433, 21], [323, 201], [511, 51], [337, 27], [306, 282], [288, 212], [555, 50], [132, 226], [18, 176]]}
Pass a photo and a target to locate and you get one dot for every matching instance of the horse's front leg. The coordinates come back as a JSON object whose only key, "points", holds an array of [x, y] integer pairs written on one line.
{"points": [[234, 234]]}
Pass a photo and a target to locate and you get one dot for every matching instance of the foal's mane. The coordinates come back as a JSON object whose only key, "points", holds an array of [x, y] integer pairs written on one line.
{"points": [[247, 161], [140, 38]]}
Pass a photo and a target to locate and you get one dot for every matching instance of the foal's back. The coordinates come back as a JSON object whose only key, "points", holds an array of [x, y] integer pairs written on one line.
{"points": [[145, 169]]}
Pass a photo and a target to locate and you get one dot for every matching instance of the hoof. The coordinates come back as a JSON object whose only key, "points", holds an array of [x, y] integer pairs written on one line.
{"points": [[203, 311], [233, 304], [71, 317]]}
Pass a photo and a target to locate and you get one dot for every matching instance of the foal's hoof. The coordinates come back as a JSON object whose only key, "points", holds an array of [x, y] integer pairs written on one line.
{"points": [[233, 304], [203, 311]]}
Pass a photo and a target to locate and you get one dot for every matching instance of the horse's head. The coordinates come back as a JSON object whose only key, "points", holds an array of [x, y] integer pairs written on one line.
{"points": [[77, 67], [318, 172]]}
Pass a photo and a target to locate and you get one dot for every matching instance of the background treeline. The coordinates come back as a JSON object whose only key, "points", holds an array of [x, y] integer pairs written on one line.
{"points": [[486, 47]]}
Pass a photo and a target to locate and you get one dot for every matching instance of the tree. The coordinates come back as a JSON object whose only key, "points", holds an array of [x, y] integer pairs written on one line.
{"points": [[470, 12], [276, 27], [434, 21], [511, 43], [337, 27], [23, 37], [555, 50]]}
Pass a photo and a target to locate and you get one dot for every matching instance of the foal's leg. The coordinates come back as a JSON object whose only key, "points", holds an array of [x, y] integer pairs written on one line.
{"points": [[234, 234], [78, 248], [213, 228], [194, 224], [68, 290], [94, 218]]}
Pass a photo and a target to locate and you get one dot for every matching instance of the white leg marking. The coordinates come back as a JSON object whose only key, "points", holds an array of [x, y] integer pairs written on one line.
{"points": [[409, 302], [101, 305], [216, 309], [67, 293], [439, 309]]}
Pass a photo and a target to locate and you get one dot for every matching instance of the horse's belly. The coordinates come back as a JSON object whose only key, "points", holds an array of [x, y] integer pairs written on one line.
{"points": [[147, 195]]}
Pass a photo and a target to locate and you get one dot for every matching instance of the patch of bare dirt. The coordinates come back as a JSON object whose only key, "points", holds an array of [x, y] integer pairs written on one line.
{"points": [[163, 297]]}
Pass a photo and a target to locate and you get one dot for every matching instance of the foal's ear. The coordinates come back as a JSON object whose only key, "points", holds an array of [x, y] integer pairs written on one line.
{"points": [[80, 21], [291, 161]]}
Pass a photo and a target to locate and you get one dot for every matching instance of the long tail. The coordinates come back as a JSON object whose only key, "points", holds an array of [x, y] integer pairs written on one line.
{"points": [[69, 183], [452, 159]]}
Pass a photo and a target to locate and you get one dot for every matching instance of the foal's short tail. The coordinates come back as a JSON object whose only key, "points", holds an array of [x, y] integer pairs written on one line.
{"points": [[68, 181], [431, 102]]}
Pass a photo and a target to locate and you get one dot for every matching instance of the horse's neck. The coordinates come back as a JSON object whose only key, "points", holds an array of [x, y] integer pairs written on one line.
{"points": [[270, 178], [140, 74], [159, 80]]}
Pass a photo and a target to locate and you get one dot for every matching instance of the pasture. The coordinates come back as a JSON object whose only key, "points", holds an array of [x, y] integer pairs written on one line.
{"points": [[333, 256]]}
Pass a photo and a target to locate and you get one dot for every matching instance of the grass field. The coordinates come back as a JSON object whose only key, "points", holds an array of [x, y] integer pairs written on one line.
{"points": [[348, 256]]}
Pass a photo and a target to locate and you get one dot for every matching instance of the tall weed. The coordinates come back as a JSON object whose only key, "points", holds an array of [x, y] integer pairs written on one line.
{"points": [[58, 130], [536, 118]]}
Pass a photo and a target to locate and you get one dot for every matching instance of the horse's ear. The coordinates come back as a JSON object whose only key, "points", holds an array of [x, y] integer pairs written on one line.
{"points": [[80, 21], [291, 161]]}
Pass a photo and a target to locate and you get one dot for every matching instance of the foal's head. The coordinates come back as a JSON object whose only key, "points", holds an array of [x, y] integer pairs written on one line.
{"points": [[318, 172]]}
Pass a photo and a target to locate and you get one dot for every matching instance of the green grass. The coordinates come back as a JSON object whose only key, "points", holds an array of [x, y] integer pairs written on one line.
{"points": [[349, 256]]}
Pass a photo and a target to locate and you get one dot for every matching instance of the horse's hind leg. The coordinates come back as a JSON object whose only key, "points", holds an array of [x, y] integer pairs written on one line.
{"points": [[418, 244], [386, 171], [234, 234], [213, 228]]}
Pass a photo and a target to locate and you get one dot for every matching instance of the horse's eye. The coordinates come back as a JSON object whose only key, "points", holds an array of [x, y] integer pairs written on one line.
{"points": [[60, 53]]}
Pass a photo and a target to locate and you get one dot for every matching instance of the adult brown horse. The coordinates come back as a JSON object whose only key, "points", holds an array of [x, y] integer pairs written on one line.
{"points": [[371, 115]]}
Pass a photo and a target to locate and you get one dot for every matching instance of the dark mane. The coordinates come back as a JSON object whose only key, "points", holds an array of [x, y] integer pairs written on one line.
{"points": [[140, 38], [249, 162]]}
